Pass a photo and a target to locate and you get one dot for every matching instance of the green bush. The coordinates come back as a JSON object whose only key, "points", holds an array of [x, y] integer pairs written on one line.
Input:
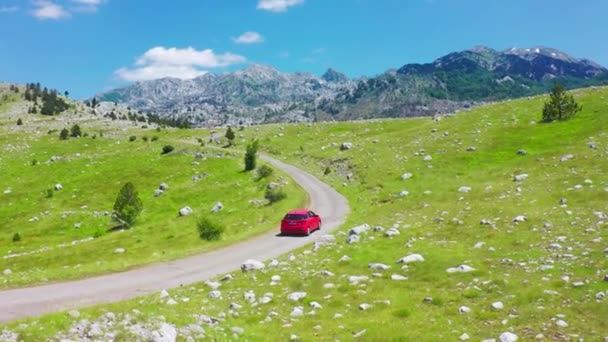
{"points": [[168, 149], [75, 131], [99, 233], [145, 139], [34, 162], [154, 138], [17, 237], [209, 230], [274, 195], [265, 171], [327, 171], [49, 193], [19, 122], [132, 138]]}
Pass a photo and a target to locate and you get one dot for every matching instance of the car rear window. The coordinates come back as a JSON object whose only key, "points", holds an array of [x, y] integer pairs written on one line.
{"points": [[295, 217]]}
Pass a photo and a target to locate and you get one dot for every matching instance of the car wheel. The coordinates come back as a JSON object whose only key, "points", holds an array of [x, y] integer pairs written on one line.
{"points": [[308, 231], [319, 227]]}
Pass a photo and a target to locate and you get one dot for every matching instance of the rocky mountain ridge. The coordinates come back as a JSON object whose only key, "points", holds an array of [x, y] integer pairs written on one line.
{"points": [[261, 94]]}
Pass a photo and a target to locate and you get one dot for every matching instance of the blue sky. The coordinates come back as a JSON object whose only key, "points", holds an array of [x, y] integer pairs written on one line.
{"points": [[86, 46]]}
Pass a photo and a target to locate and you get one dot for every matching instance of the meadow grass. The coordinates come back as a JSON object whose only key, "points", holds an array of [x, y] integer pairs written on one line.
{"points": [[435, 220], [54, 224]]}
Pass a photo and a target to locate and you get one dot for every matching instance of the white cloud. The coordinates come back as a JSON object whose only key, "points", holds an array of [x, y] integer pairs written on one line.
{"points": [[9, 9], [46, 9], [187, 63], [249, 38], [277, 5], [154, 71], [86, 6]]}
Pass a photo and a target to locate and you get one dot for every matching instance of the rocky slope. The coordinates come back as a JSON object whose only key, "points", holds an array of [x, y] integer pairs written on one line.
{"points": [[261, 94]]}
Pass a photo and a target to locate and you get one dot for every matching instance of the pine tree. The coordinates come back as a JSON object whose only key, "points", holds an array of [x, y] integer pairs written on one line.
{"points": [[128, 205], [561, 105], [230, 135], [250, 156], [75, 131], [64, 135], [19, 122], [94, 102]]}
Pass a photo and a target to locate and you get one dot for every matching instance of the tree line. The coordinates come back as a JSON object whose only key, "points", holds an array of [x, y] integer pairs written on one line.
{"points": [[51, 102]]}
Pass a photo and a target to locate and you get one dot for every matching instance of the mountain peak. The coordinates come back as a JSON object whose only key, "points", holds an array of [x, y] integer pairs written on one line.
{"points": [[482, 49], [258, 71], [331, 75]]}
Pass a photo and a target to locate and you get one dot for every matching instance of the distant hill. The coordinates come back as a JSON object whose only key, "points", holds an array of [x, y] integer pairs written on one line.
{"points": [[261, 94]]}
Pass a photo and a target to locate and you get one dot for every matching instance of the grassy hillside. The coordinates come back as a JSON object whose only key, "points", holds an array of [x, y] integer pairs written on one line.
{"points": [[66, 234], [547, 271]]}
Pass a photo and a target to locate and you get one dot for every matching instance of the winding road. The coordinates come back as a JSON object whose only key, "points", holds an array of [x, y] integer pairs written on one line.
{"points": [[34, 301]]}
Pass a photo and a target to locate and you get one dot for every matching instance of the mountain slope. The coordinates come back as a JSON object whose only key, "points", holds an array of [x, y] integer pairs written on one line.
{"points": [[261, 94]]}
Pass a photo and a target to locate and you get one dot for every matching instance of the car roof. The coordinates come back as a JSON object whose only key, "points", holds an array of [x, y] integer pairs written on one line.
{"points": [[298, 212]]}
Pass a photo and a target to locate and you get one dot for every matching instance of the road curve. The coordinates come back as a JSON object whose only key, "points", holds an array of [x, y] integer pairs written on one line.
{"points": [[34, 301]]}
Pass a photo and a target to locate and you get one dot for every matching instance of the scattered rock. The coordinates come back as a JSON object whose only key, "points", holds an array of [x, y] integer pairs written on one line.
{"points": [[411, 258], [163, 187], [358, 230], [364, 307], [346, 146], [471, 149], [566, 157], [58, 187], [171, 301], [464, 309], [392, 232], [398, 277], [498, 306], [464, 337], [508, 337], [296, 296], [464, 189], [214, 294], [378, 266], [520, 178], [561, 323], [522, 152], [166, 333], [520, 218], [185, 211], [217, 207], [353, 239], [252, 265], [164, 294], [403, 193], [158, 192], [119, 250], [345, 258], [406, 175], [427, 158], [357, 279], [7, 271], [74, 313], [460, 269], [297, 311], [315, 305], [359, 333]]}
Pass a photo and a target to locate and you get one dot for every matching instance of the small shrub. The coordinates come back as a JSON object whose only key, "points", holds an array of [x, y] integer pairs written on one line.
{"points": [[209, 230], [85, 135], [75, 131], [250, 156], [327, 171], [17, 237], [561, 105], [34, 162], [132, 138], [265, 171], [168, 149], [49, 193], [145, 139], [99, 233], [274, 195], [154, 138], [19, 122]]}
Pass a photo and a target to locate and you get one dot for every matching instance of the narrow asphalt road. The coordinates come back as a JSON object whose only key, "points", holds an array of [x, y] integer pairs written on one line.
{"points": [[34, 301]]}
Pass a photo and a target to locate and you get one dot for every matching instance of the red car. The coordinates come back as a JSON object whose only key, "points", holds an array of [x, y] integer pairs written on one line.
{"points": [[300, 222]]}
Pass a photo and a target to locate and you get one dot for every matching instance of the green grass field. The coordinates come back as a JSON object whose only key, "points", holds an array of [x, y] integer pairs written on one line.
{"points": [[57, 227], [532, 267]]}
